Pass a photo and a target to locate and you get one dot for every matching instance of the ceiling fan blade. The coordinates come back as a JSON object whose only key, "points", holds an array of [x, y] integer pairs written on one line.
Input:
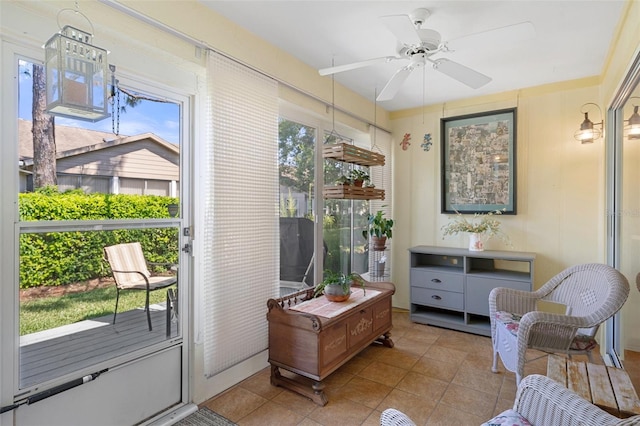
{"points": [[496, 37], [356, 65], [394, 84], [459, 72], [402, 27]]}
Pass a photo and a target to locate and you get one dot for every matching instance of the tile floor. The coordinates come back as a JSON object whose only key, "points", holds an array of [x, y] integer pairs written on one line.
{"points": [[434, 375]]}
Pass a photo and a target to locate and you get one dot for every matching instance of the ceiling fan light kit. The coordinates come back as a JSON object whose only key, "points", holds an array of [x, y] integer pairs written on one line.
{"points": [[421, 45]]}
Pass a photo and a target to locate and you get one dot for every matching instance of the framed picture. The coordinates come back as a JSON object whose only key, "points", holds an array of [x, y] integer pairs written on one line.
{"points": [[479, 162]]}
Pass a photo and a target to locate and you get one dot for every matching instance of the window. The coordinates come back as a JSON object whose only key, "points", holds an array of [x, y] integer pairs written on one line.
{"points": [[341, 222], [344, 220]]}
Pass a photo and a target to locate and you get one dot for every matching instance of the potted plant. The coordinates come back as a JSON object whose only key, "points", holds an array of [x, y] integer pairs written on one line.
{"points": [[359, 177], [343, 180], [481, 227], [379, 229], [336, 286]]}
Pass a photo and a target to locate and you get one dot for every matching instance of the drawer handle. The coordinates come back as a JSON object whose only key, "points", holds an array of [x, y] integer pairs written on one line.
{"points": [[435, 296], [435, 280]]}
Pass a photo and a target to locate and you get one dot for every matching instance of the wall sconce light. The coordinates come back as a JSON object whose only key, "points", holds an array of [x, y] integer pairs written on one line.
{"points": [[76, 74], [633, 123], [588, 131]]}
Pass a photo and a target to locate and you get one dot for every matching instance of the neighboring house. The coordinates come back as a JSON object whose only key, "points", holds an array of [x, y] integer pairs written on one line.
{"points": [[103, 162]]}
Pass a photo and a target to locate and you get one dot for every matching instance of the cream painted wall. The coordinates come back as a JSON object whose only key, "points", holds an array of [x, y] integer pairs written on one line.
{"points": [[560, 183]]}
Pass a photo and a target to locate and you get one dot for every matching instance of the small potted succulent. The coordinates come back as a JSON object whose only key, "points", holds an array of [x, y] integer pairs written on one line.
{"points": [[336, 286]]}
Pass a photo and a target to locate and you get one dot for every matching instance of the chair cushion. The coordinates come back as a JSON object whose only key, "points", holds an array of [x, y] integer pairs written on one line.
{"points": [[508, 418], [511, 322], [154, 283]]}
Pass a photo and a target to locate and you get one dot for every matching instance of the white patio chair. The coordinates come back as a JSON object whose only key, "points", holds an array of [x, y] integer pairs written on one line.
{"points": [[130, 272]]}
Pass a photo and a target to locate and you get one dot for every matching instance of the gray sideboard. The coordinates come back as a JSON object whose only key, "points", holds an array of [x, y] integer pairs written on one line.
{"points": [[450, 287]]}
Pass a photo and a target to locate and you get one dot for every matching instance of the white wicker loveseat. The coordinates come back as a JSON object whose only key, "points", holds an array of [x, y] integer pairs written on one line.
{"points": [[539, 401]]}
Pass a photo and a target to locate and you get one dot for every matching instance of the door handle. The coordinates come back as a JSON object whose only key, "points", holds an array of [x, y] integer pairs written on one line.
{"points": [[436, 297]]}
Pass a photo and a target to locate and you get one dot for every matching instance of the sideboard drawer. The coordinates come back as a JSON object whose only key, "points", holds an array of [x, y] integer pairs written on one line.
{"points": [[421, 277], [360, 326], [437, 298]]}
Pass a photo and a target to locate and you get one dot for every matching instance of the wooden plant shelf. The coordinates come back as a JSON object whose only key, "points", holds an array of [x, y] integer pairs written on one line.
{"points": [[352, 192], [352, 154]]}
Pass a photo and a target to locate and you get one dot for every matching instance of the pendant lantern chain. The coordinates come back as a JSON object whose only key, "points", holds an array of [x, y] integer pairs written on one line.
{"points": [[115, 107], [115, 102]]}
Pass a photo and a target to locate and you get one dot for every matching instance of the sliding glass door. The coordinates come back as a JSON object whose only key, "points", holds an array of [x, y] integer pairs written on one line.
{"points": [[623, 208]]}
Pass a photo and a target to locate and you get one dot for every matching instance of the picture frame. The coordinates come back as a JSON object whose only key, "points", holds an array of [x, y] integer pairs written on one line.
{"points": [[478, 162]]}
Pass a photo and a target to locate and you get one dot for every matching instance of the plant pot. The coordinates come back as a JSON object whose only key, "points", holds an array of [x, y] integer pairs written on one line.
{"points": [[475, 242], [379, 243], [335, 293], [358, 183]]}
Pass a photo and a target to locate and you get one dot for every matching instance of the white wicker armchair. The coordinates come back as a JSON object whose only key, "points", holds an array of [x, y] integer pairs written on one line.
{"points": [[540, 401], [592, 293], [543, 401]]}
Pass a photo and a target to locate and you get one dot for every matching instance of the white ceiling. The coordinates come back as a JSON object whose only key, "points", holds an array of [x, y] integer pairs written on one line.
{"points": [[572, 39]]}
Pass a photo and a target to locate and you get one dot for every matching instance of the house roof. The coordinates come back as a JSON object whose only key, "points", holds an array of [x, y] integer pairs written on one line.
{"points": [[71, 141]]}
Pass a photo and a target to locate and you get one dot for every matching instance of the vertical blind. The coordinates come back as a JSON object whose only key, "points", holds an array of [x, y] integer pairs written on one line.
{"points": [[240, 246]]}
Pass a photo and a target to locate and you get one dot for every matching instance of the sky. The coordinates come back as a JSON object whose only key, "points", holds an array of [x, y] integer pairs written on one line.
{"points": [[159, 118]]}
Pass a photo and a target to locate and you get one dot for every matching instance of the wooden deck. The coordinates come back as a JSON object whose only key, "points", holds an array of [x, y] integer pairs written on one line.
{"points": [[56, 352]]}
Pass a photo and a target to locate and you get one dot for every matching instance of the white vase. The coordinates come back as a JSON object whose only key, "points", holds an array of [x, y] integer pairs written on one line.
{"points": [[475, 242]]}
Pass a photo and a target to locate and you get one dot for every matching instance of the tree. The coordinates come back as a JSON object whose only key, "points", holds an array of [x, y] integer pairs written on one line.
{"points": [[296, 155], [43, 130]]}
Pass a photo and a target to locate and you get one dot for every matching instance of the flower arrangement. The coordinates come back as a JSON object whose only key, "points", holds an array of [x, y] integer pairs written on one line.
{"points": [[480, 223]]}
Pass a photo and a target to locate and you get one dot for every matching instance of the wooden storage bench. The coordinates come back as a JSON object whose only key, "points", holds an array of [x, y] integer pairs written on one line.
{"points": [[313, 338], [607, 387]]}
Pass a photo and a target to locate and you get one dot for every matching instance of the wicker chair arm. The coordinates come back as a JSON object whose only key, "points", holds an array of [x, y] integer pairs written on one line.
{"points": [[548, 330], [553, 319]]}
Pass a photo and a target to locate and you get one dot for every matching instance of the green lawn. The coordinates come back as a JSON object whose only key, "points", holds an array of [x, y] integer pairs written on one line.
{"points": [[50, 312]]}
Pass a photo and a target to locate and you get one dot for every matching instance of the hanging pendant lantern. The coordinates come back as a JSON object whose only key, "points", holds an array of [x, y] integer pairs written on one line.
{"points": [[76, 73]]}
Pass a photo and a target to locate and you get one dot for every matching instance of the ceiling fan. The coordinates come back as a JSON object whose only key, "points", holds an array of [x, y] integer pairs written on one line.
{"points": [[419, 45]]}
